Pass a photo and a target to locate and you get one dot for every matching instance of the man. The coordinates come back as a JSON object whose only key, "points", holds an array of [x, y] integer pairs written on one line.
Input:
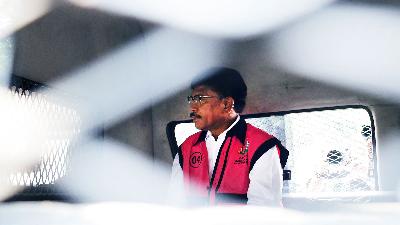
{"points": [[228, 160]]}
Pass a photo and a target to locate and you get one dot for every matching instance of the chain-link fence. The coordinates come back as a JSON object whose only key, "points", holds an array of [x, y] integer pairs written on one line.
{"points": [[61, 122]]}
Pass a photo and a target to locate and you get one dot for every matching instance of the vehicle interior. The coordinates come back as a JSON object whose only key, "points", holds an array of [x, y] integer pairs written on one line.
{"points": [[93, 105]]}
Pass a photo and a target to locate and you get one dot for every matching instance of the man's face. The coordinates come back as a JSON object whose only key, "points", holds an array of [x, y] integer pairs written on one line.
{"points": [[207, 114]]}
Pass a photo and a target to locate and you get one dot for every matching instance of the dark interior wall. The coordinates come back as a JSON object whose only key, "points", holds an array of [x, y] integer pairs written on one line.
{"points": [[68, 38], [136, 132]]}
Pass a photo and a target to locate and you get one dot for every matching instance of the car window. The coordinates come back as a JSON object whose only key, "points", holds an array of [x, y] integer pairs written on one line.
{"points": [[331, 149]]}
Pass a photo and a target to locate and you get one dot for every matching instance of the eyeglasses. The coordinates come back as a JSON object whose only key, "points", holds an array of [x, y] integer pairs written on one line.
{"points": [[198, 99]]}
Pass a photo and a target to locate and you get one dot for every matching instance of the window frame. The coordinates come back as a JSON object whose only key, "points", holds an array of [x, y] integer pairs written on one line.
{"points": [[170, 128]]}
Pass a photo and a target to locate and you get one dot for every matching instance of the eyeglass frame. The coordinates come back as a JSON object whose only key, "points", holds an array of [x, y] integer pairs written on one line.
{"points": [[191, 99]]}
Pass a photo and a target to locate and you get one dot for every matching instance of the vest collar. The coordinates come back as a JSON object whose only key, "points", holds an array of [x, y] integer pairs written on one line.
{"points": [[238, 130]]}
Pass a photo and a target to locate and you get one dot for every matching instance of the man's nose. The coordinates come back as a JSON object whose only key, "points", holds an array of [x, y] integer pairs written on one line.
{"points": [[193, 107]]}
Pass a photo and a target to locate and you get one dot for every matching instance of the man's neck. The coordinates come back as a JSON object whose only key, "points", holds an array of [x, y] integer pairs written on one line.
{"points": [[229, 121]]}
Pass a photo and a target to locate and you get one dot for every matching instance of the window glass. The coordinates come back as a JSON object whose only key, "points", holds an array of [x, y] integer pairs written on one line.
{"points": [[6, 59]]}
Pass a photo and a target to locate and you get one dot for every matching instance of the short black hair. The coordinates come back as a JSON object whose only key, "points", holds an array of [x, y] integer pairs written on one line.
{"points": [[226, 82]]}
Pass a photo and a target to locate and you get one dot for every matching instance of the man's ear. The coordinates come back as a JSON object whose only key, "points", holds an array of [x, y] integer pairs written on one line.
{"points": [[228, 103]]}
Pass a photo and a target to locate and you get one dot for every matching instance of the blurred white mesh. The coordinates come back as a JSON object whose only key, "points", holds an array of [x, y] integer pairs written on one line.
{"points": [[223, 18], [17, 13], [351, 45], [105, 170], [144, 71]]}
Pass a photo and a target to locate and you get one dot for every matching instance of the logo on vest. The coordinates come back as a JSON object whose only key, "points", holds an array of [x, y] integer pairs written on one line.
{"points": [[243, 159], [195, 159], [244, 150]]}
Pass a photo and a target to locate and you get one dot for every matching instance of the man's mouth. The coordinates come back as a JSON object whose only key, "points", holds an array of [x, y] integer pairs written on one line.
{"points": [[194, 116]]}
